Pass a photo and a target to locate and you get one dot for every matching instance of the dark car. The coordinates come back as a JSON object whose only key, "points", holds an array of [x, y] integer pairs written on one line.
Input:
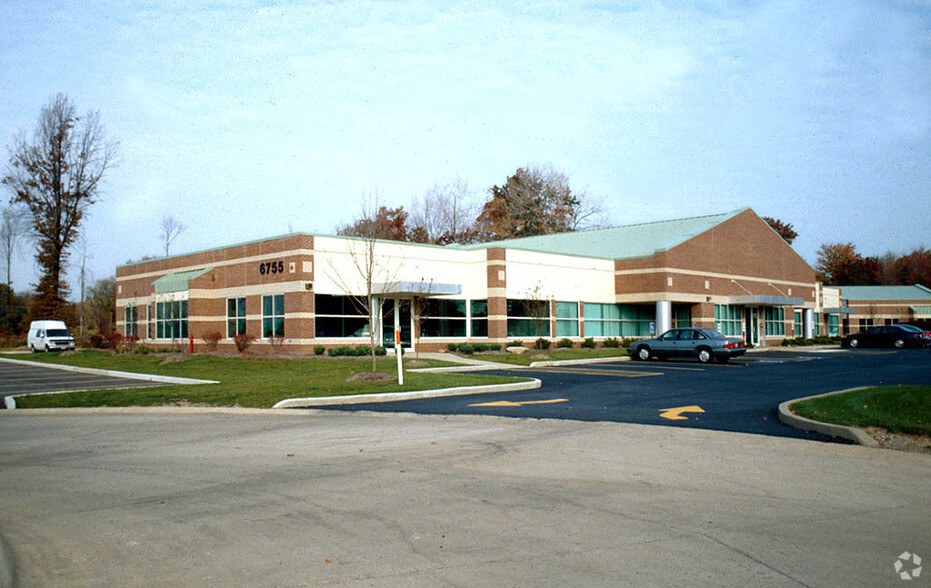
{"points": [[703, 344], [898, 336]]}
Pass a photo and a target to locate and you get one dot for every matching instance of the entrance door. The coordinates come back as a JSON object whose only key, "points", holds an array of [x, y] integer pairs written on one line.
{"points": [[387, 314], [753, 325]]}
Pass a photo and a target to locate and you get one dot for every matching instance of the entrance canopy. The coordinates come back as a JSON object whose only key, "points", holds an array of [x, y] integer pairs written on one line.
{"points": [[766, 300], [412, 289], [178, 281]]}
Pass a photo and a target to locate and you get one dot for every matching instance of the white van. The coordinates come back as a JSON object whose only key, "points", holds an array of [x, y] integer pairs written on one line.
{"points": [[49, 336]]}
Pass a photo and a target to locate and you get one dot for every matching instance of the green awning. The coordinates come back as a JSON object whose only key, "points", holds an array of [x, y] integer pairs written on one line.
{"points": [[177, 282], [921, 311]]}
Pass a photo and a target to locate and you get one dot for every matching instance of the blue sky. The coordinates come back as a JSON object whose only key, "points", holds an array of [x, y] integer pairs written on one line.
{"points": [[243, 119]]}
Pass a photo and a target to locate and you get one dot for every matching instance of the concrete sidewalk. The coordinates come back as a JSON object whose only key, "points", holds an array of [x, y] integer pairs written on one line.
{"points": [[278, 498]]}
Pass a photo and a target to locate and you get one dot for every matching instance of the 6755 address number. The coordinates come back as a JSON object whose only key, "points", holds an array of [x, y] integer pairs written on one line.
{"points": [[271, 267]]}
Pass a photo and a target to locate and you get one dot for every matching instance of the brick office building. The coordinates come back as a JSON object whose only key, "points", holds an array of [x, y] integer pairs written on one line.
{"points": [[729, 272]]}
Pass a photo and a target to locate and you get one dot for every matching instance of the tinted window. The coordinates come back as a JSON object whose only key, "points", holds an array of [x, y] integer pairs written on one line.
{"points": [[910, 328], [58, 333], [669, 335]]}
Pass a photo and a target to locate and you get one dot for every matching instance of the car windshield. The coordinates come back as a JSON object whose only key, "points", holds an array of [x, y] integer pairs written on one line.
{"points": [[57, 333]]}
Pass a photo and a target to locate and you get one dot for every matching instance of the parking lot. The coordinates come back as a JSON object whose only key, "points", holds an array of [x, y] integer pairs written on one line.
{"points": [[741, 396], [18, 378]]}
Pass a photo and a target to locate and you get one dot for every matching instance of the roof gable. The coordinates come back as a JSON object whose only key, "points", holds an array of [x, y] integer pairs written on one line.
{"points": [[624, 242]]}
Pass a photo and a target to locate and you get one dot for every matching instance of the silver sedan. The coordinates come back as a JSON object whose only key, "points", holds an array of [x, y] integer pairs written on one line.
{"points": [[703, 344]]}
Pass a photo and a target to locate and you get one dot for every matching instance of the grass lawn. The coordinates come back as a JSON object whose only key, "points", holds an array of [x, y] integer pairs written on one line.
{"points": [[551, 355], [249, 382], [898, 409]]}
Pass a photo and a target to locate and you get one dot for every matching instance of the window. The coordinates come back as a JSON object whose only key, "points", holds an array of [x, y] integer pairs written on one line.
{"points": [[235, 317], [727, 320], [775, 319], [864, 323], [479, 316], [797, 326], [833, 321], [528, 318], [618, 320], [273, 316], [171, 319], [130, 319], [443, 318], [149, 316], [567, 319], [339, 316]]}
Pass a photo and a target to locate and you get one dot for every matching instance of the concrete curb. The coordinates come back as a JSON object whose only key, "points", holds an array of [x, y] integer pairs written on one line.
{"points": [[398, 396], [7, 566], [559, 362], [114, 373], [855, 434]]}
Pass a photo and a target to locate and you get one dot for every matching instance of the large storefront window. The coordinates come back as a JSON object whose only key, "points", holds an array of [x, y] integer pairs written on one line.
{"points": [[618, 320], [797, 325], [171, 320], [273, 316], [479, 321], [528, 318], [235, 317], [567, 319], [339, 316], [833, 321], [727, 320], [443, 318], [775, 321]]}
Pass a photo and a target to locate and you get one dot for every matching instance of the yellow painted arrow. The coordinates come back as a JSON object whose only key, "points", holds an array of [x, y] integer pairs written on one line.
{"points": [[509, 403], [675, 414]]}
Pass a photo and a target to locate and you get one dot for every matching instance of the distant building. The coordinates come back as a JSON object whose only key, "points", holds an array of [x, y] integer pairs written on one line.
{"points": [[730, 272], [885, 305]]}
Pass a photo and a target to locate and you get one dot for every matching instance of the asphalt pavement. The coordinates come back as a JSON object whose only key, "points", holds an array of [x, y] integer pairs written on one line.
{"points": [[740, 396], [320, 498]]}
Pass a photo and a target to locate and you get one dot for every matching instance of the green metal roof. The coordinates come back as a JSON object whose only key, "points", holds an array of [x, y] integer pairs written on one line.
{"points": [[625, 242], [921, 311], [177, 282], [890, 293]]}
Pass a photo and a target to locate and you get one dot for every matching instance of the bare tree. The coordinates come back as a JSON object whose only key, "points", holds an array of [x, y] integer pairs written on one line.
{"points": [[14, 230], [446, 213], [171, 228], [56, 174], [371, 269]]}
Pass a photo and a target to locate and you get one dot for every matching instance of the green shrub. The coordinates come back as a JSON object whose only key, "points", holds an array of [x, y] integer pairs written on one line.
{"points": [[319, 350], [381, 351], [452, 346], [480, 347], [541, 343], [466, 349], [564, 343], [494, 347], [362, 350], [341, 351], [589, 343], [611, 343]]}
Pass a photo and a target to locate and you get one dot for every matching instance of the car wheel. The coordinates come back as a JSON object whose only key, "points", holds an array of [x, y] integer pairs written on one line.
{"points": [[705, 355], [854, 343], [899, 344], [33, 349], [47, 348], [643, 353]]}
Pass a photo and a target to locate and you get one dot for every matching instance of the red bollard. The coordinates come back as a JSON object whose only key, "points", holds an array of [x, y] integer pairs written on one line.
{"points": [[191, 337]]}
